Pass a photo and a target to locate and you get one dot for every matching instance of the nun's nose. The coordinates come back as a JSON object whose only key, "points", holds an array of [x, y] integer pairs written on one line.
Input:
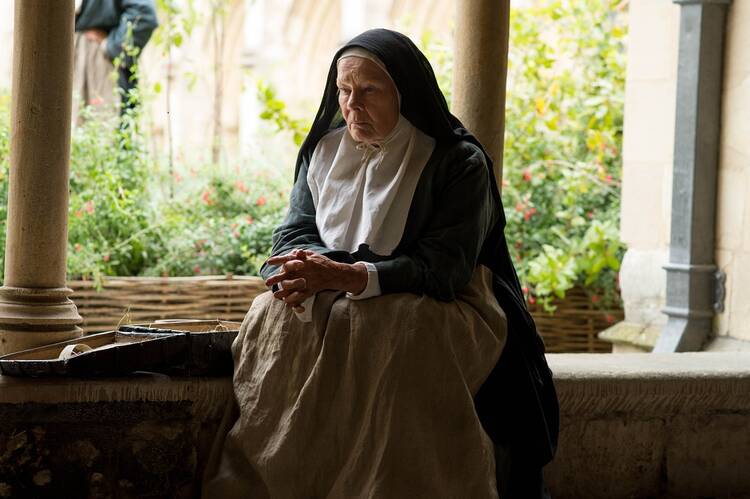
{"points": [[355, 100]]}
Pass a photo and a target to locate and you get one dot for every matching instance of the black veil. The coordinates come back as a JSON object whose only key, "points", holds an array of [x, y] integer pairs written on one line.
{"points": [[517, 404]]}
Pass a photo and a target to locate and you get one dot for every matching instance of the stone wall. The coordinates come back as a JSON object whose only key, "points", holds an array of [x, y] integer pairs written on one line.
{"points": [[632, 425], [733, 230], [144, 436], [648, 145]]}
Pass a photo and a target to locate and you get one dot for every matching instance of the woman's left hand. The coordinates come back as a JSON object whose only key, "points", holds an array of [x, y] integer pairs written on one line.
{"points": [[303, 273]]}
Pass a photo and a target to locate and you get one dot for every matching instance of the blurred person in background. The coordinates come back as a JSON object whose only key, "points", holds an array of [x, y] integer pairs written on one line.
{"points": [[109, 32]]}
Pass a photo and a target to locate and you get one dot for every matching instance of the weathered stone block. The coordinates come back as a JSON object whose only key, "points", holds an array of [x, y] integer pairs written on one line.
{"points": [[98, 450], [652, 426], [652, 24], [643, 285], [731, 208], [643, 225], [709, 455], [628, 456], [649, 121], [739, 306]]}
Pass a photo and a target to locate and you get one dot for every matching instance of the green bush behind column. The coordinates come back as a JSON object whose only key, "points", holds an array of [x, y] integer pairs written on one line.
{"points": [[122, 222], [561, 187], [563, 143]]}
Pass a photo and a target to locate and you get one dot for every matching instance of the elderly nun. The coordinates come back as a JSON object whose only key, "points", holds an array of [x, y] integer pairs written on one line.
{"points": [[394, 356]]}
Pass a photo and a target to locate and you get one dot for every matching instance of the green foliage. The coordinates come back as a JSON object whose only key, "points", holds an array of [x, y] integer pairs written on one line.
{"points": [[563, 141], [274, 111], [119, 224], [109, 214], [4, 168], [221, 225], [562, 167], [177, 21], [440, 56]]}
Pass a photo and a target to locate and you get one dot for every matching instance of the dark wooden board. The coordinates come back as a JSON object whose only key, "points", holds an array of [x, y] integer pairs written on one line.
{"points": [[113, 353], [180, 347]]}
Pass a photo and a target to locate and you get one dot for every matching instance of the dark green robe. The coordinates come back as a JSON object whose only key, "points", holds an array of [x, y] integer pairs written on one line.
{"points": [[451, 213]]}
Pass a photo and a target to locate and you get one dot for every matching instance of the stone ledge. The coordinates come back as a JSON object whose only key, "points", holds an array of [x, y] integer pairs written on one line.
{"points": [[593, 385], [208, 396], [652, 425], [650, 366], [631, 336]]}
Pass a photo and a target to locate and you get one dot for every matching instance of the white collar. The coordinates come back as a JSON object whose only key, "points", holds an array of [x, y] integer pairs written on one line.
{"points": [[362, 192]]}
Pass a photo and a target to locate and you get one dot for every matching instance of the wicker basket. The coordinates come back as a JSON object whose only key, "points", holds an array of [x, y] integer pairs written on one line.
{"points": [[136, 299], [574, 325], [572, 328]]}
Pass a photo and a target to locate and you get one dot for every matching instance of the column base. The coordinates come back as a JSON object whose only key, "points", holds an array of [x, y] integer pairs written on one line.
{"points": [[31, 317]]}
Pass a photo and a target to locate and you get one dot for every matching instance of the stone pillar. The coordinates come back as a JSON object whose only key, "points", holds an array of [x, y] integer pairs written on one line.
{"points": [[480, 70], [34, 304]]}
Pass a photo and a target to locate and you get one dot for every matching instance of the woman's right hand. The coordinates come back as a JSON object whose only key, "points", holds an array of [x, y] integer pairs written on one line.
{"points": [[303, 273], [292, 290]]}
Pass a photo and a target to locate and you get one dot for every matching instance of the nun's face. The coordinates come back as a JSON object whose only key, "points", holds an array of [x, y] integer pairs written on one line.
{"points": [[368, 99]]}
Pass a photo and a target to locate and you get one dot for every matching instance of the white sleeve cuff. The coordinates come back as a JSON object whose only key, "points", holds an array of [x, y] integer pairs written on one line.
{"points": [[308, 304], [373, 284]]}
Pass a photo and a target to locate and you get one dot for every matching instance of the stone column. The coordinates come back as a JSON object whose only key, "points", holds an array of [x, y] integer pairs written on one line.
{"points": [[480, 70], [34, 304]]}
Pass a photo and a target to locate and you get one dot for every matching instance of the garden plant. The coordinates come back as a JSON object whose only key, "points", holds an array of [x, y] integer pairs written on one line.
{"points": [[561, 185]]}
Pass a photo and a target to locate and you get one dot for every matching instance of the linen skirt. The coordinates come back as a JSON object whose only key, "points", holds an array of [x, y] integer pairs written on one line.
{"points": [[372, 399]]}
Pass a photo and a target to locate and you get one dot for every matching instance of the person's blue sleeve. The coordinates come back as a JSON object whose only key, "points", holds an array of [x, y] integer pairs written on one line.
{"points": [[142, 15]]}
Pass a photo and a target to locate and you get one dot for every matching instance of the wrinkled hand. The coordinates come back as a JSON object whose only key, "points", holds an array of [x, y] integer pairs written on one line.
{"points": [[303, 273], [95, 35]]}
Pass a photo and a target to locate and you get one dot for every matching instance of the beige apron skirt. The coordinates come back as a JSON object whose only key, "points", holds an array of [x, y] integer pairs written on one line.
{"points": [[372, 399], [94, 81]]}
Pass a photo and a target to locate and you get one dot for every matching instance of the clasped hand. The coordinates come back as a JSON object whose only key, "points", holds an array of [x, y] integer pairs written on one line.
{"points": [[303, 273]]}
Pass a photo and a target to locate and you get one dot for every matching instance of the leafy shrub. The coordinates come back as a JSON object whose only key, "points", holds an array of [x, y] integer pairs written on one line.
{"points": [[561, 187], [110, 220], [4, 169], [274, 111], [120, 223], [224, 225], [563, 140]]}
